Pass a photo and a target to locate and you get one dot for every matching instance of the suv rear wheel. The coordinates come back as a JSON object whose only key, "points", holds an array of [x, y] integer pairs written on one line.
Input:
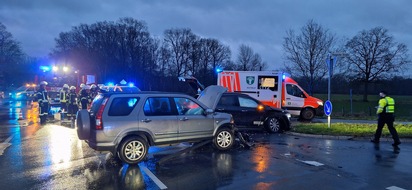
{"points": [[224, 139], [133, 150], [83, 124], [272, 125]]}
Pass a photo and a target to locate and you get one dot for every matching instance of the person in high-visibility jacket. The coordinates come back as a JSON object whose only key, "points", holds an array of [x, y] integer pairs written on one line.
{"points": [[63, 98], [72, 103], [83, 97], [43, 99], [386, 111]]}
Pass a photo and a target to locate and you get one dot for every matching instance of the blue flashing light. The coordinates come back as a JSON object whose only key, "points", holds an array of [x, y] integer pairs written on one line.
{"points": [[218, 70], [110, 84], [131, 84], [283, 76], [45, 68]]}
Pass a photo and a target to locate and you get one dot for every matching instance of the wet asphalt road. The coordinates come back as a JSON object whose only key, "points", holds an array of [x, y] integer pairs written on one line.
{"points": [[52, 157]]}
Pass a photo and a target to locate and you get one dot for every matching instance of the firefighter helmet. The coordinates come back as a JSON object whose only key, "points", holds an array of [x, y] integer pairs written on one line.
{"points": [[72, 88], [93, 86], [82, 86], [66, 86], [43, 83]]}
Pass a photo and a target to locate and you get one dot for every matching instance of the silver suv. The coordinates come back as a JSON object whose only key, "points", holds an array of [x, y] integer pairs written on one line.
{"points": [[126, 124]]}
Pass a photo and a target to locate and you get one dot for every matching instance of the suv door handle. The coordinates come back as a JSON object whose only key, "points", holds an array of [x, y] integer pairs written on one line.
{"points": [[184, 119], [146, 120], [244, 110]]}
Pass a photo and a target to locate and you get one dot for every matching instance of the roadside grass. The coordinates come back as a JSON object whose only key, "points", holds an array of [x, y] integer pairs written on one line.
{"points": [[344, 108], [350, 129]]}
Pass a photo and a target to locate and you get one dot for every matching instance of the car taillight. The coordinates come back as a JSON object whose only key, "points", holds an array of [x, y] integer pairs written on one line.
{"points": [[99, 114]]}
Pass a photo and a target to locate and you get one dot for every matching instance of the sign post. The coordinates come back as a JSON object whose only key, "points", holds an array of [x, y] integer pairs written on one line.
{"points": [[328, 110], [330, 61]]}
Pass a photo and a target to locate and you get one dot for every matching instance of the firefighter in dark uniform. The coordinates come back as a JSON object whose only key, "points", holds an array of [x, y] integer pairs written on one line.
{"points": [[83, 97], [93, 91], [43, 100], [63, 98], [385, 111], [72, 105]]}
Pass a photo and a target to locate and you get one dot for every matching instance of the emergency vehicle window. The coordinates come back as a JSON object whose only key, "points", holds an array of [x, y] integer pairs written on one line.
{"points": [[268, 82], [247, 102], [157, 106], [188, 107], [294, 90], [122, 106]]}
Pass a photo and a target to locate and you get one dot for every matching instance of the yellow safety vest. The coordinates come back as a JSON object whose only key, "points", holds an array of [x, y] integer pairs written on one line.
{"points": [[386, 105], [63, 98]]}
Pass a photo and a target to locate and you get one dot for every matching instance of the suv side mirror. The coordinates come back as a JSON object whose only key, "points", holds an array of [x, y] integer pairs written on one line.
{"points": [[209, 111]]}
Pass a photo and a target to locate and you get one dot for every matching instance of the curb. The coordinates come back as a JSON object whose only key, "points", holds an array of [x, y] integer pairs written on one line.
{"points": [[344, 137]]}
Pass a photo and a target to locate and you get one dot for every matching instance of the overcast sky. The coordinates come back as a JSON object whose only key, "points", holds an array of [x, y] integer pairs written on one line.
{"points": [[260, 24]]}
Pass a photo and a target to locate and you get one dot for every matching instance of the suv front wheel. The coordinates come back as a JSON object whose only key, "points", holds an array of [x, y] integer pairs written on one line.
{"points": [[224, 139], [133, 150], [273, 125]]}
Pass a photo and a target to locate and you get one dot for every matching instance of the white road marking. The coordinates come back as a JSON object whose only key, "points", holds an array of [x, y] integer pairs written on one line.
{"points": [[312, 163], [154, 178], [4, 145], [394, 188]]}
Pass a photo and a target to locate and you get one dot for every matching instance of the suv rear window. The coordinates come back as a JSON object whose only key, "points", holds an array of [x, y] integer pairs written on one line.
{"points": [[97, 101], [158, 106], [122, 106]]}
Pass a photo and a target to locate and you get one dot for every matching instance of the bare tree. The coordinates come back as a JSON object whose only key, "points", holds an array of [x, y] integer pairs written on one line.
{"points": [[113, 50], [10, 55], [247, 60], [373, 54], [305, 53], [218, 55], [180, 44]]}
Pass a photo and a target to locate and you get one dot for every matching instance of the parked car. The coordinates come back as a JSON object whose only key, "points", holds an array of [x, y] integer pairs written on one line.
{"points": [[25, 92], [126, 124], [119, 88], [250, 113]]}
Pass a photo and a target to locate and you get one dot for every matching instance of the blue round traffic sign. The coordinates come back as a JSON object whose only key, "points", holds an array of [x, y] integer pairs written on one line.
{"points": [[328, 108]]}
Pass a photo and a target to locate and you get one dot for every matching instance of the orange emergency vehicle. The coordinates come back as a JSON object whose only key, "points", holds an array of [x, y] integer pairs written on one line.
{"points": [[273, 88]]}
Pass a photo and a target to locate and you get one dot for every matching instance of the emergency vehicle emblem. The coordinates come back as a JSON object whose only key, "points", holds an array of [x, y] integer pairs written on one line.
{"points": [[250, 80]]}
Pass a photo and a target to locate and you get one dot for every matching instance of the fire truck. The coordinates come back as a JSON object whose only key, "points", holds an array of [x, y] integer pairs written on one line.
{"points": [[273, 88]]}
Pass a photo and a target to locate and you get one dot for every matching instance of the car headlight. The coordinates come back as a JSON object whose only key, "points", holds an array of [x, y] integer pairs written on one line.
{"points": [[320, 103], [288, 116]]}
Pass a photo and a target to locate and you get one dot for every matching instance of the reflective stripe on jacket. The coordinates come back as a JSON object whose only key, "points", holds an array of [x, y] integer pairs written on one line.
{"points": [[63, 96], [42, 96], [72, 98]]}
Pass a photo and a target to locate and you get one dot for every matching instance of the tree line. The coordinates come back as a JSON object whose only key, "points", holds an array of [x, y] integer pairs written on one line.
{"points": [[125, 49]]}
